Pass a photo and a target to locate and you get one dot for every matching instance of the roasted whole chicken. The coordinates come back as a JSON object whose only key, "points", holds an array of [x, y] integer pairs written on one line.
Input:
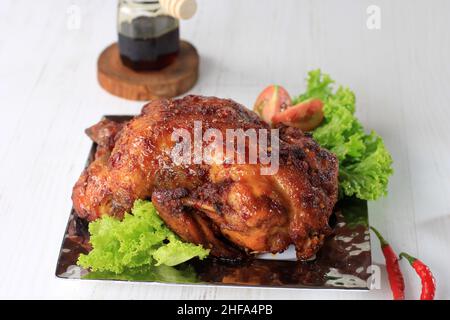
{"points": [[231, 208]]}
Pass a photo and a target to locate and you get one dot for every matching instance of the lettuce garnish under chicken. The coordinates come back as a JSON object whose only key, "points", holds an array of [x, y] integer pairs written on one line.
{"points": [[140, 239]]}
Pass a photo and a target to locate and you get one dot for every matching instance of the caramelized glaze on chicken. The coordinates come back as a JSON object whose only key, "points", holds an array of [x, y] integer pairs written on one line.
{"points": [[230, 208]]}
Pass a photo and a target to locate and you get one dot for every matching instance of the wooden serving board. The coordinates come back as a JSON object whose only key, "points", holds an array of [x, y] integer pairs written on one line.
{"points": [[174, 80]]}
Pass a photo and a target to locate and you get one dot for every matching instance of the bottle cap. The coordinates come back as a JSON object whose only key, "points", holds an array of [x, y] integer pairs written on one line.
{"points": [[180, 9]]}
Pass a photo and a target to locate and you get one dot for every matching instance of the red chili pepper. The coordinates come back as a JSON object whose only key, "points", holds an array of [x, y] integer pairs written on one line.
{"points": [[393, 268], [428, 282]]}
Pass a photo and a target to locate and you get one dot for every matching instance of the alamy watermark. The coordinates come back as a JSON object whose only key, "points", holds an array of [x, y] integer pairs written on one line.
{"points": [[374, 280], [73, 13], [374, 17], [252, 146]]}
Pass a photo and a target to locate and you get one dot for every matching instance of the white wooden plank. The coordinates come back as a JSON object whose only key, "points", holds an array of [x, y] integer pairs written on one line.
{"points": [[49, 94]]}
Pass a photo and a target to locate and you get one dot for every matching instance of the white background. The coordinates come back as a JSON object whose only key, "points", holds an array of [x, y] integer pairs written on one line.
{"points": [[49, 95]]}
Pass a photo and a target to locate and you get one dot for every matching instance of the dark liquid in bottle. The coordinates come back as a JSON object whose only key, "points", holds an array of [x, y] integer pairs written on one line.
{"points": [[149, 43]]}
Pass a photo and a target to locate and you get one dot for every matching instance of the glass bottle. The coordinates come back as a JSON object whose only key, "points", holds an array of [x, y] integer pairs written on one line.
{"points": [[149, 39]]}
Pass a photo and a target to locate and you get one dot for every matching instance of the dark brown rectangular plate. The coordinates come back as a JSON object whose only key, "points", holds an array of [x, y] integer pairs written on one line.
{"points": [[342, 263]]}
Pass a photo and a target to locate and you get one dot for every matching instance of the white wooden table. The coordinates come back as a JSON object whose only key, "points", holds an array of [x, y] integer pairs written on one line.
{"points": [[49, 95]]}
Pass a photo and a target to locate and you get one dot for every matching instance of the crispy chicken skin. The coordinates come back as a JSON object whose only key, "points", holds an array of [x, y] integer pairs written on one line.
{"points": [[230, 208]]}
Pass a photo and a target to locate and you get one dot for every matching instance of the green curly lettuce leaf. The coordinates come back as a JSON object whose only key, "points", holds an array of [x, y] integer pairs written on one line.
{"points": [[365, 164], [140, 239]]}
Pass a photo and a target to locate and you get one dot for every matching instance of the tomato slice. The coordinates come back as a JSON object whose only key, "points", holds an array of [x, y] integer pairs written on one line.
{"points": [[272, 100], [306, 115]]}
